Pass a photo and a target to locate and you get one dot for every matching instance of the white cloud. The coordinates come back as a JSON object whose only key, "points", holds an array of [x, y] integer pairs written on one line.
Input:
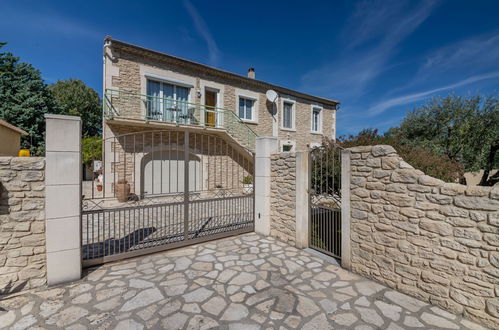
{"points": [[405, 99], [203, 30], [374, 30], [478, 52]]}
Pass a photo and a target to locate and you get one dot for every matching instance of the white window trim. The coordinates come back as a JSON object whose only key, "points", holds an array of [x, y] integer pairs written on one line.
{"points": [[220, 116], [287, 143], [313, 145], [174, 84], [181, 83], [293, 117], [333, 126], [171, 82], [321, 116], [255, 108]]}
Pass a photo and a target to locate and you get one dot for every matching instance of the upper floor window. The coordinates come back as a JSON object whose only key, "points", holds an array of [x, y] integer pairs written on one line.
{"points": [[316, 120], [165, 101], [246, 108], [288, 115]]}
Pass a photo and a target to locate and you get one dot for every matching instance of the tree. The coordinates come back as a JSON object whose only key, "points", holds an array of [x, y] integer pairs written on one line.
{"points": [[421, 158], [24, 100], [465, 129], [91, 149], [77, 99]]}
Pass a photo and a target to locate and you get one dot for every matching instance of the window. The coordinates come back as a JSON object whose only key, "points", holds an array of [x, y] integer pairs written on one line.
{"points": [[166, 101], [287, 115], [316, 120], [246, 108], [288, 146]]}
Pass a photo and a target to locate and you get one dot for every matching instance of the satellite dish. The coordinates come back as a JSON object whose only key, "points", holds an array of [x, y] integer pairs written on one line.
{"points": [[271, 95]]}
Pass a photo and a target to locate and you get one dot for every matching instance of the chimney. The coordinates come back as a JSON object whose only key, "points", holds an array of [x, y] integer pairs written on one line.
{"points": [[251, 73]]}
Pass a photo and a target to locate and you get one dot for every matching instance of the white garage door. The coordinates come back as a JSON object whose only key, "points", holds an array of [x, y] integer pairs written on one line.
{"points": [[163, 172]]}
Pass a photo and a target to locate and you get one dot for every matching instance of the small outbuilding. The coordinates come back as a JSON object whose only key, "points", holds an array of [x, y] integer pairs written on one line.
{"points": [[10, 139]]}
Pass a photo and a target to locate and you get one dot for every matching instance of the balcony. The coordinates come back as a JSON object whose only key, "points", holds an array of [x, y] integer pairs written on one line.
{"points": [[129, 105]]}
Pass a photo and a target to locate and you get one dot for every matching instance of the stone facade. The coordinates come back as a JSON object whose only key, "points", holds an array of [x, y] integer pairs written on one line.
{"points": [[433, 240], [283, 197], [128, 65], [220, 164], [22, 223]]}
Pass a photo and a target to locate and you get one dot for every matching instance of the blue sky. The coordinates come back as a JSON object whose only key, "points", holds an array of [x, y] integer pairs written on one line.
{"points": [[378, 58]]}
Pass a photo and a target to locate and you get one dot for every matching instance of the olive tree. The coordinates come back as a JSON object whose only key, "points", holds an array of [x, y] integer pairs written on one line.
{"points": [[463, 128]]}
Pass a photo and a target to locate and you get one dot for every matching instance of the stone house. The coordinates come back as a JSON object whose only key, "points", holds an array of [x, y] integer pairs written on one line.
{"points": [[146, 90]]}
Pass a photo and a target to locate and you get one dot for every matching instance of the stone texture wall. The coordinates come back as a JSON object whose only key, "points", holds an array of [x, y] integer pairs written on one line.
{"points": [[127, 66], [222, 164], [433, 240], [283, 197], [22, 223]]}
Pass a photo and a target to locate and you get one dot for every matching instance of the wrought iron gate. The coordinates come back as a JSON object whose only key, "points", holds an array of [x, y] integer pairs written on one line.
{"points": [[161, 189], [325, 200]]}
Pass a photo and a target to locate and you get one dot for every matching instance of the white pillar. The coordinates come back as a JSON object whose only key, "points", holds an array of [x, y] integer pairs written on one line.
{"points": [[275, 119], [345, 209], [265, 146], [63, 198], [302, 199]]}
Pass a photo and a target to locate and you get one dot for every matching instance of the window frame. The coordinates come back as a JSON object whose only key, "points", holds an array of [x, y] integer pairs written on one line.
{"points": [[254, 113], [174, 83], [320, 123], [293, 114], [290, 143]]}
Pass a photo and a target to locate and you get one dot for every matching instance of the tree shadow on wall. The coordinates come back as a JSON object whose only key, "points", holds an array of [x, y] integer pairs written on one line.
{"points": [[4, 199], [12, 288]]}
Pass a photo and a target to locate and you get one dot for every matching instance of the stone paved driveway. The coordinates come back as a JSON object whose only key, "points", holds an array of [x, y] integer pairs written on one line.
{"points": [[244, 282]]}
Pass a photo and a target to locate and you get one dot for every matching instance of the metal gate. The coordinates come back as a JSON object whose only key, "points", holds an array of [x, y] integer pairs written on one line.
{"points": [[325, 199], [156, 190]]}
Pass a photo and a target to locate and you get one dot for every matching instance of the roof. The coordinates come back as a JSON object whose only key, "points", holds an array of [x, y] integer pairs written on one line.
{"points": [[210, 69], [12, 127]]}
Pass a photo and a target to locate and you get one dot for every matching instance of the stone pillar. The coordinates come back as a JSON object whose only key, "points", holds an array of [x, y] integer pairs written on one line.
{"points": [[302, 199], [63, 198], [264, 147], [345, 209]]}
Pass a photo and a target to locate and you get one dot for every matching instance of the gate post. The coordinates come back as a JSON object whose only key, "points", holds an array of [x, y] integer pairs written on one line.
{"points": [[302, 199], [63, 198], [265, 146], [345, 209]]}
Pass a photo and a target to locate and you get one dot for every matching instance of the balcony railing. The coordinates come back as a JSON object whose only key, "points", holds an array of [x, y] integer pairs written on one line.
{"points": [[118, 103]]}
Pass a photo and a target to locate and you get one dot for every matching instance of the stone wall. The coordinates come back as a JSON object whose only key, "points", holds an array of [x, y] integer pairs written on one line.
{"points": [[129, 64], [221, 162], [283, 197], [433, 240], [22, 223]]}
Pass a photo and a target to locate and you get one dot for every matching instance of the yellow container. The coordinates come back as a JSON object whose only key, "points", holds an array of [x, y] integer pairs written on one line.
{"points": [[24, 153]]}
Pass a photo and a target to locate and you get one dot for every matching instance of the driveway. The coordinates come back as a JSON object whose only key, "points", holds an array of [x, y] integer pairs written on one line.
{"points": [[242, 282]]}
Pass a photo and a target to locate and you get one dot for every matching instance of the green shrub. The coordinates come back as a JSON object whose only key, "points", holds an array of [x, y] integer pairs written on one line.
{"points": [[248, 179], [424, 159]]}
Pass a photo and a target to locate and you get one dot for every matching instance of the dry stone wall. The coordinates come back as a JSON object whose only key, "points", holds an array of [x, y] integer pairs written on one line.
{"points": [[433, 240], [283, 197], [22, 223]]}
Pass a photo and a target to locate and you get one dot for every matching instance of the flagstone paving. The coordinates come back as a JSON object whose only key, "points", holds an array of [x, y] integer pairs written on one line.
{"points": [[244, 282]]}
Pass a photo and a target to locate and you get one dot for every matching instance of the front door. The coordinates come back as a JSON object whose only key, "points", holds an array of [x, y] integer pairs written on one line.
{"points": [[210, 103]]}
